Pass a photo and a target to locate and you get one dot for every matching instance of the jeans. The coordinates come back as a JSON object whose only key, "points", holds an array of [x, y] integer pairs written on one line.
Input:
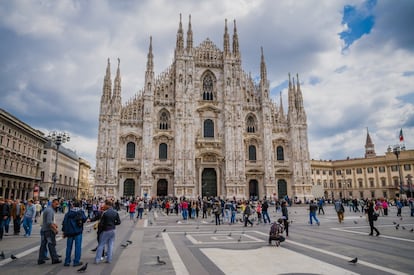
{"points": [[27, 225], [140, 211], [1, 228], [6, 224], [217, 218], [265, 216], [233, 217], [313, 215], [78, 249], [48, 242], [185, 213], [105, 238]]}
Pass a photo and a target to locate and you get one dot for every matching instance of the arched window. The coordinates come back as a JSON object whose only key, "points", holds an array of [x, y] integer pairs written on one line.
{"points": [[130, 150], [163, 151], [279, 153], [208, 87], [164, 120], [252, 152], [251, 125], [208, 128]]}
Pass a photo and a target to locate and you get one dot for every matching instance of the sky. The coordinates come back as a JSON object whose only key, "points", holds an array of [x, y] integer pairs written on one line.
{"points": [[355, 61]]}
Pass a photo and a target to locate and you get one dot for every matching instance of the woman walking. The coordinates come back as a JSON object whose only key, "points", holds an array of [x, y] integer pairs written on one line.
{"points": [[372, 216]]}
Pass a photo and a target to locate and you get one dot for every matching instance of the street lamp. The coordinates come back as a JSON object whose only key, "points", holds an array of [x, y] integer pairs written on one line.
{"points": [[57, 138], [410, 183], [396, 149]]}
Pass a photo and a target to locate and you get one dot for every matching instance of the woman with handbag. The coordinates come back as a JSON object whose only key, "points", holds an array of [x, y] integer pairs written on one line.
{"points": [[372, 216]]}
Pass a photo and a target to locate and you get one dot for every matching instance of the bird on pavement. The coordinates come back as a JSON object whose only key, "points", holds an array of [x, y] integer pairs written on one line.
{"points": [[229, 234], [156, 236], [159, 261], [397, 226], [13, 257], [2, 255], [354, 260], [124, 245], [215, 230], [355, 222], [185, 233], [83, 268], [239, 240], [128, 241], [401, 218], [394, 222], [412, 230], [403, 227], [165, 229]]}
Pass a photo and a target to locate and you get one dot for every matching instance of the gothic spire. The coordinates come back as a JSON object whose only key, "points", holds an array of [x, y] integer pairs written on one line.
{"points": [[226, 40], [281, 111], [189, 35], [263, 72], [117, 82], [299, 97], [107, 87], [150, 58], [180, 37], [235, 40]]}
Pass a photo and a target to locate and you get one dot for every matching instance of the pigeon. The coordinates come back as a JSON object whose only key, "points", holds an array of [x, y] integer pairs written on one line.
{"points": [[128, 241], [124, 245], [401, 218], [156, 236], [159, 261], [150, 222], [229, 234], [243, 232], [394, 222], [185, 233], [13, 257], [397, 226], [215, 230], [355, 222], [354, 260], [403, 227], [2, 255], [239, 240], [83, 268], [412, 230], [165, 229]]}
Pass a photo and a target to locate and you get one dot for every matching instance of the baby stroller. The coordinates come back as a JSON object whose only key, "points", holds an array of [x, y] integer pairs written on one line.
{"points": [[276, 231]]}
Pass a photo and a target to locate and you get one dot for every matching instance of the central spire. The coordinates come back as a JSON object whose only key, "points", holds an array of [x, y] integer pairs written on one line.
{"points": [[189, 35]]}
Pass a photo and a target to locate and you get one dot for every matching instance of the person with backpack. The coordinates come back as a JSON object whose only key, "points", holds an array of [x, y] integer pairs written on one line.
{"points": [[312, 212], [246, 214], [276, 231], [72, 228], [339, 208]]}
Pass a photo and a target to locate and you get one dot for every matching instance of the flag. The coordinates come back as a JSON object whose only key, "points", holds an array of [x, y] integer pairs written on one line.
{"points": [[401, 136]]}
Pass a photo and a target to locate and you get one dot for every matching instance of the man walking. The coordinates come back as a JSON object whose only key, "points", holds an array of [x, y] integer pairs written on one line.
{"points": [[17, 213], [72, 228], [312, 212], [265, 214], [48, 232], [339, 208], [29, 216], [321, 202], [246, 214], [107, 223]]}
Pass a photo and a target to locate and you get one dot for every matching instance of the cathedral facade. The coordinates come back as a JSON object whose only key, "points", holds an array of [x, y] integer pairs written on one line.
{"points": [[203, 127]]}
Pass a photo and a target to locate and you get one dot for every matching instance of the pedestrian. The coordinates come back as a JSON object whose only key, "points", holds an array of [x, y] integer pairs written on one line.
{"points": [[217, 211], [276, 231], [141, 206], [72, 228], [312, 212], [48, 233], [109, 220], [28, 218], [372, 216], [265, 213], [17, 213], [3, 216], [7, 216], [131, 209], [339, 208], [399, 204], [259, 212], [321, 202], [38, 207], [411, 204], [285, 217], [246, 214], [385, 206]]}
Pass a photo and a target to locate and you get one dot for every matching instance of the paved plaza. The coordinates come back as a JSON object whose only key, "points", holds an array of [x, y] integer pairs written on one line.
{"points": [[200, 247]]}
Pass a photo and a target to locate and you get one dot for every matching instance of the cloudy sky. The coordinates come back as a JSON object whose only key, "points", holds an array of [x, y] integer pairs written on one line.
{"points": [[355, 60]]}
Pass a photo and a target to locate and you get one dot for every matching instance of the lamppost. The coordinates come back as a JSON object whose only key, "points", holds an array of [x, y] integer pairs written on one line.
{"points": [[57, 138], [410, 183], [396, 149]]}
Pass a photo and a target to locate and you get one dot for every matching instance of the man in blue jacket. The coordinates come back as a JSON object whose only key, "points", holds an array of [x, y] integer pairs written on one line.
{"points": [[72, 227]]}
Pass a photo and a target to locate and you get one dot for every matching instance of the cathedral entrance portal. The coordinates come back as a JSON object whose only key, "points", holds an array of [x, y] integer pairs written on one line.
{"points": [[162, 188], [282, 189], [129, 188], [209, 183], [253, 189]]}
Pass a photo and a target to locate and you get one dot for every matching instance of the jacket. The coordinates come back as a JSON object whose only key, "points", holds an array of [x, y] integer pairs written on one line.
{"points": [[73, 221], [109, 220]]}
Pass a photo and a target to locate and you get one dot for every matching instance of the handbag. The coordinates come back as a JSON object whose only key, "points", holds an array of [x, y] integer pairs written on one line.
{"points": [[375, 216]]}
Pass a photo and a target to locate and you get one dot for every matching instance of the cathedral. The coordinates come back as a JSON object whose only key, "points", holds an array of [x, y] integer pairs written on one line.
{"points": [[203, 127]]}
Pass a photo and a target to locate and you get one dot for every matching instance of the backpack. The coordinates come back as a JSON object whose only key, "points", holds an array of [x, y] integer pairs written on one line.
{"points": [[79, 219], [274, 229]]}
